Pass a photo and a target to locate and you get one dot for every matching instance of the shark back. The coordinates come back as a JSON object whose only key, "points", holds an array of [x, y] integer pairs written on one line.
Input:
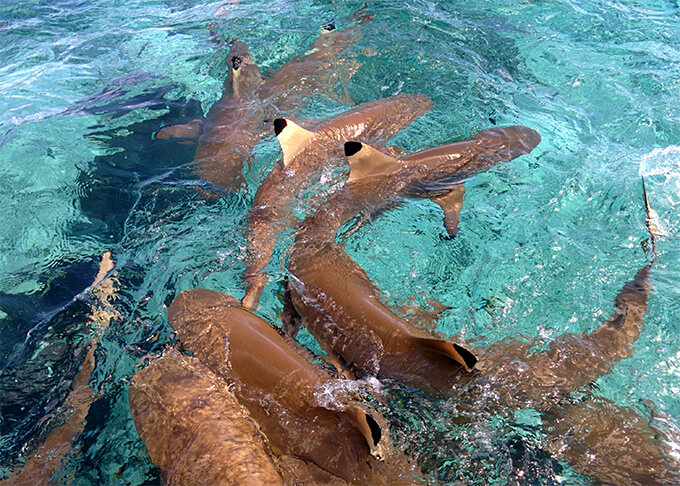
{"points": [[276, 383]]}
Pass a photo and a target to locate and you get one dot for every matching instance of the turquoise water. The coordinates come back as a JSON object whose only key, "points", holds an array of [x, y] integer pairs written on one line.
{"points": [[546, 241]]}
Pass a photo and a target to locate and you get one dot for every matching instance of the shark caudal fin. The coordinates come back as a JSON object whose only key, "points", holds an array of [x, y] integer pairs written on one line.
{"points": [[365, 161], [457, 353], [291, 137], [369, 428], [651, 220]]}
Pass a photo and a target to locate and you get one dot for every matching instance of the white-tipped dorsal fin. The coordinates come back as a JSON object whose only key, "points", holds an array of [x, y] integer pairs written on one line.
{"points": [[366, 161], [291, 137]]}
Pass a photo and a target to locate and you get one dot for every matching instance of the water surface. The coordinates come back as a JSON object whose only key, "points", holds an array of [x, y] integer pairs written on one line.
{"points": [[546, 241]]}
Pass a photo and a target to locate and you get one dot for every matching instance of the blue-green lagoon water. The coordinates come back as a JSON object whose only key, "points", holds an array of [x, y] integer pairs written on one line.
{"points": [[546, 240]]}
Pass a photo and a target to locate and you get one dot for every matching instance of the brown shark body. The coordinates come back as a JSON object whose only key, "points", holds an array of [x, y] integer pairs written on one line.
{"points": [[611, 443], [540, 380], [340, 305], [305, 154], [193, 427], [342, 309], [236, 122], [280, 387], [197, 432], [573, 361]]}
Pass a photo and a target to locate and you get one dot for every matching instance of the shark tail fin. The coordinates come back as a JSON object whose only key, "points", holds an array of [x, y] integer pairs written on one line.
{"points": [[457, 353], [292, 138], [368, 427], [651, 219], [365, 161]]}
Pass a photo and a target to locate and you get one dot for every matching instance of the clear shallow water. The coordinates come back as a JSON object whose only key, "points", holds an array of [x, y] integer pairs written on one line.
{"points": [[546, 241]]}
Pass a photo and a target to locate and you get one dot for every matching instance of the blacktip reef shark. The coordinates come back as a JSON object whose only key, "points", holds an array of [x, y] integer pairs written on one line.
{"points": [[341, 307], [306, 152], [198, 433], [280, 388], [599, 438], [193, 427], [236, 122], [339, 304]]}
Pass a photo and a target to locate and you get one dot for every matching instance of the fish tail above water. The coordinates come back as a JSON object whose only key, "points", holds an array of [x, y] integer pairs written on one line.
{"points": [[618, 333]]}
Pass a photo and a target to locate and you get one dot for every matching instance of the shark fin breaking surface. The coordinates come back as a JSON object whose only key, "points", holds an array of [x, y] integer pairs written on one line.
{"points": [[458, 353], [365, 161], [292, 138]]}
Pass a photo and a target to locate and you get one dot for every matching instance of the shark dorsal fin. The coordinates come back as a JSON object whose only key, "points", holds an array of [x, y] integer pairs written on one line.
{"points": [[368, 427], [365, 161], [458, 353], [292, 138]]}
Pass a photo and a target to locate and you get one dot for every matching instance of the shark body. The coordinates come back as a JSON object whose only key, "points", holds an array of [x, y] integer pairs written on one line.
{"points": [[337, 301], [342, 308], [306, 152], [194, 428], [279, 386], [239, 119]]}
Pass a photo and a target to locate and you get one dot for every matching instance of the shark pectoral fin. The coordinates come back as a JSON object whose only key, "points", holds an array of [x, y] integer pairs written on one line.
{"points": [[458, 353], [368, 427], [365, 161], [184, 132], [451, 204], [291, 137]]}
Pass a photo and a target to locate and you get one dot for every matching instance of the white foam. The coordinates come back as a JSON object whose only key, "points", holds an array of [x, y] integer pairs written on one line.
{"points": [[659, 161]]}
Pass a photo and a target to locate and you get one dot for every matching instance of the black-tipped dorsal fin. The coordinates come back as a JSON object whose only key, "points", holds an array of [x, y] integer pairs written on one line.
{"points": [[458, 353], [291, 137], [365, 161], [368, 427]]}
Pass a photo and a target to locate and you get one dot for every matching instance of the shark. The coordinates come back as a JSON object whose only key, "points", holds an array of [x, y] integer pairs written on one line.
{"points": [[238, 120], [194, 428], [282, 391], [612, 443], [342, 308], [339, 304], [307, 151]]}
